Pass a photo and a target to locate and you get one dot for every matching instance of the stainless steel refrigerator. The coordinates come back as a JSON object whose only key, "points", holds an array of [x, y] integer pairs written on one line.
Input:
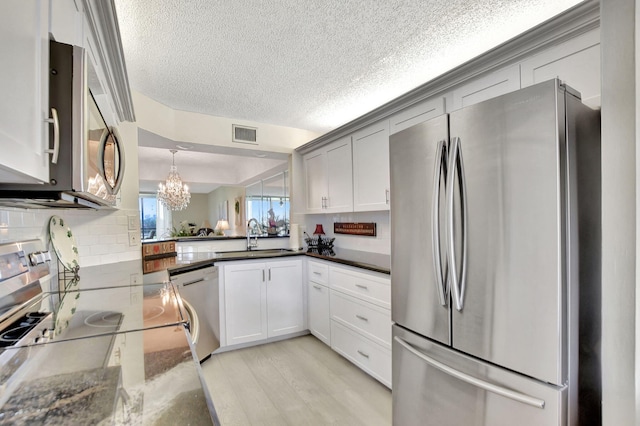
{"points": [[495, 234]]}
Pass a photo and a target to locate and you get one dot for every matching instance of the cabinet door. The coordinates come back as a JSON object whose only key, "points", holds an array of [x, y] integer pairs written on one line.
{"points": [[489, 86], [315, 170], [319, 321], [422, 111], [371, 168], [339, 177], [576, 62], [24, 84], [284, 297], [67, 22], [245, 302]]}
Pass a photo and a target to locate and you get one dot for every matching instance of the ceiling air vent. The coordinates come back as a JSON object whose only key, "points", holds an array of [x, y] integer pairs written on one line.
{"points": [[244, 134]]}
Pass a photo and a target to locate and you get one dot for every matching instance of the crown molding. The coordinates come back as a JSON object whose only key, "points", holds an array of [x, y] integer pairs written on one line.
{"points": [[103, 27]]}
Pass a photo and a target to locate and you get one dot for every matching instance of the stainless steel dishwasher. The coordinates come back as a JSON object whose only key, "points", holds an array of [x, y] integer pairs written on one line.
{"points": [[199, 289]]}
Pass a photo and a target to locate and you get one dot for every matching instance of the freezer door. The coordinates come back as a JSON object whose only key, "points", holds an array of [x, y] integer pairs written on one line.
{"points": [[419, 298], [435, 385], [514, 307]]}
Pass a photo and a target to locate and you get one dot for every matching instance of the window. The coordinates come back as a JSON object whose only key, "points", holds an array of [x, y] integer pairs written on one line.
{"points": [[155, 219], [268, 203]]}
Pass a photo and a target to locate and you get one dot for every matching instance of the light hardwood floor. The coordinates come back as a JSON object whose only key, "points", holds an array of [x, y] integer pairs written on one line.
{"points": [[299, 381]]}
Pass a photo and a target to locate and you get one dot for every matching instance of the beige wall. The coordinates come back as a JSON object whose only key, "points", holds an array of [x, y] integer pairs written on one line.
{"points": [[196, 212], [229, 194], [193, 127]]}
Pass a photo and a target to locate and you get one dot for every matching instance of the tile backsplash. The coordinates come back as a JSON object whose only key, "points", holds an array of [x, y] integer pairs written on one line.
{"points": [[381, 243], [102, 235]]}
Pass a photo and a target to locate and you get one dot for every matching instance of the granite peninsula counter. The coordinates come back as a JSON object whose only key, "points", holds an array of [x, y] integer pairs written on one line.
{"points": [[120, 354], [376, 262]]}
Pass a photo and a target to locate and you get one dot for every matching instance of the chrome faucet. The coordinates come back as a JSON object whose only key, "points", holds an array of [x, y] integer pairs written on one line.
{"points": [[254, 243]]}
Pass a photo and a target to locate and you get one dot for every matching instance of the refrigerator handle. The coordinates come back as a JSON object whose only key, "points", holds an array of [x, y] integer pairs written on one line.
{"points": [[474, 381], [457, 284], [435, 224]]}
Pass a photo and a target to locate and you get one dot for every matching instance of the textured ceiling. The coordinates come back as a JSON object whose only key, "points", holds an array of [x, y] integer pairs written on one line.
{"points": [[313, 65]]}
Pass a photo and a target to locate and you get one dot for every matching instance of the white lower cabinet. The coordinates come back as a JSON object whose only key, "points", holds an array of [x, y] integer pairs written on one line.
{"points": [[318, 300], [245, 300], [352, 314], [262, 300], [285, 313], [371, 321], [318, 303], [369, 356]]}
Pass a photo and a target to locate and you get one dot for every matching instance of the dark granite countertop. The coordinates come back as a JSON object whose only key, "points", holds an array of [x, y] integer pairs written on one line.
{"points": [[190, 261], [208, 238], [376, 262], [52, 389], [123, 356]]}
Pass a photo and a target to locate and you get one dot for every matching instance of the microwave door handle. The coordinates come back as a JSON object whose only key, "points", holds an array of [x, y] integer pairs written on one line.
{"points": [[120, 148], [435, 223], [101, 148], [56, 136], [112, 190]]}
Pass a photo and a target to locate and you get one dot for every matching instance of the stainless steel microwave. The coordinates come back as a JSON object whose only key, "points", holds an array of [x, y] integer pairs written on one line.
{"points": [[87, 161]]}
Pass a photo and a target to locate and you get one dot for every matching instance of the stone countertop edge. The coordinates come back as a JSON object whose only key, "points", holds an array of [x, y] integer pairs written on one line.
{"points": [[362, 265], [203, 263], [213, 238]]}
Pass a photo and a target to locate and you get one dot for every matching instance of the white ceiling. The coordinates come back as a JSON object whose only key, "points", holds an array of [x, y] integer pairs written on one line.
{"points": [[313, 65]]}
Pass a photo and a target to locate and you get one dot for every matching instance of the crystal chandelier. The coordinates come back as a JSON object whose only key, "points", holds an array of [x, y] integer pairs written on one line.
{"points": [[173, 193]]}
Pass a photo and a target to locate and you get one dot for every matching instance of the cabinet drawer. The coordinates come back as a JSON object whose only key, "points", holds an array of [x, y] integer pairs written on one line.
{"points": [[372, 321], [372, 358], [371, 288], [318, 273]]}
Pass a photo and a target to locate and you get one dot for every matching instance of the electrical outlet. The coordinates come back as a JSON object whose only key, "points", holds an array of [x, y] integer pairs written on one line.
{"points": [[133, 222], [134, 238]]}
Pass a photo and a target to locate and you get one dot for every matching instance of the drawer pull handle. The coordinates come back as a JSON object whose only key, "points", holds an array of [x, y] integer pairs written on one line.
{"points": [[362, 318], [316, 273], [362, 286], [364, 354], [317, 287]]}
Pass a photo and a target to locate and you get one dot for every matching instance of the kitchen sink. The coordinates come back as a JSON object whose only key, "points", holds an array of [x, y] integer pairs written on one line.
{"points": [[242, 254]]}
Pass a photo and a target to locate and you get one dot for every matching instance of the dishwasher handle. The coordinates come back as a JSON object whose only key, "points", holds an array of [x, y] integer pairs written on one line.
{"points": [[199, 280]]}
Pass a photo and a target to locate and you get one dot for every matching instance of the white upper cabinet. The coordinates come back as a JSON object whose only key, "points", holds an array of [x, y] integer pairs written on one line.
{"points": [[486, 87], [67, 22], [315, 172], [328, 178], [24, 82], [576, 62], [371, 168], [422, 111], [339, 177]]}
